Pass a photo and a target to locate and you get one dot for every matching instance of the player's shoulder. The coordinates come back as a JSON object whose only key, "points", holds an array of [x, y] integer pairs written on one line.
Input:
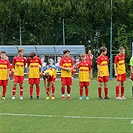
{"points": [[117, 56], [99, 57], [24, 58], [15, 57]]}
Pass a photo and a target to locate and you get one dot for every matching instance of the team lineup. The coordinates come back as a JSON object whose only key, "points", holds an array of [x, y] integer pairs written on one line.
{"points": [[35, 72]]}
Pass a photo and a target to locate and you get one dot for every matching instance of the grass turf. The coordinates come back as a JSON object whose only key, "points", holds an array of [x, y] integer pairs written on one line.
{"points": [[47, 116]]}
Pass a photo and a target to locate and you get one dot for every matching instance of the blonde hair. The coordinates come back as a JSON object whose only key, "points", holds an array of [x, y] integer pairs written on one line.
{"points": [[121, 48], [20, 50], [82, 55]]}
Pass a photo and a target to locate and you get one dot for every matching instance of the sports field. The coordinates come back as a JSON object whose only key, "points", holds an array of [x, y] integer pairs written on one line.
{"points": [[67, 116]]}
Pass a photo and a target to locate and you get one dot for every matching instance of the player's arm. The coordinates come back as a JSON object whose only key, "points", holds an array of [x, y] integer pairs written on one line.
{"points": [[28, 63], [45, 86], [8, 70], [90, 73], [91, 57], [70, 69], [13, 63], [99, 71], [115, 66], [40, 63], [98, 67], [61, 65], [115, 69]]}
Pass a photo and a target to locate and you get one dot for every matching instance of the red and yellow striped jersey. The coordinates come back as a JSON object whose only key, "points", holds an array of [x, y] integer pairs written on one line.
{"points": [[19, 65], [4, 66], [120, 64], [84, 69], [103, 62], [66, 63], [52, 73], [34, 65]]}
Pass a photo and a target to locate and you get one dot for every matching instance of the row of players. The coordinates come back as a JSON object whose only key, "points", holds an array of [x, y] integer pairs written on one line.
{"points": [[34, 70]]}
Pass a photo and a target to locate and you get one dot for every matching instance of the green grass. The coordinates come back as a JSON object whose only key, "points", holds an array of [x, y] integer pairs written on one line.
{"points": [[58, 109]]}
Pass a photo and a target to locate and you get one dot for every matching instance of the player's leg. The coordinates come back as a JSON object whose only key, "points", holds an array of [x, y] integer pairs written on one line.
{"points": [[63, 82], [21, 80], [100, 80], [105, 80], [5, 83], [53, 91], [16, 80], [118, 84], [48, 90], [69, 83], [37, 91], [31, 82], [81, 85], [122, 90], [37, 82], [87, 90], [106, 90]]}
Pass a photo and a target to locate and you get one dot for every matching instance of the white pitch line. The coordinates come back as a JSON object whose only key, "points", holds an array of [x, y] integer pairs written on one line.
{"points": [[58, 116]]}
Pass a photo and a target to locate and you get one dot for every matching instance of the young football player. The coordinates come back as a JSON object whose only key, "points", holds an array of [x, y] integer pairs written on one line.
{"points": [[120, 73], [34, 72], [66, 64], [103, 72], [18, 67], [4, 72], [85, 74], [49, 77]]}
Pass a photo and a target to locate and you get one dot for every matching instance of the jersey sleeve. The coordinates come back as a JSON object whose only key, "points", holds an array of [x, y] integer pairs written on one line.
{"points": [[40, 62], [89, 66], [28, 63], [14, 60], [72, 62], [108, 60], [24, 61], [8, 65], [79, 65], [98, 61], [115, 60], [61, 62]]}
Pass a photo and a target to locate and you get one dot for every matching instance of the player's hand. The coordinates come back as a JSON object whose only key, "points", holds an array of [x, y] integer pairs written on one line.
{"points": [[7, 78], [90, 77], [101, 75], [116, 74], [69, 69]]}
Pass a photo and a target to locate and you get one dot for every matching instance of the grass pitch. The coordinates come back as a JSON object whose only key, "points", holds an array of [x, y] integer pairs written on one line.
{"points": [[67, 116]]}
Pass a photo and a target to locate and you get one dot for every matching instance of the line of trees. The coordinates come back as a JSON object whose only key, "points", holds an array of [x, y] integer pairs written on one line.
{"points": [[86, 22]]}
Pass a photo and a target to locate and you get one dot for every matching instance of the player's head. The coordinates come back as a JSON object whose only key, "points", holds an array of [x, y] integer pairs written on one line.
{"points": [[32, 54], [3, 54], [66, 53], [20, 52], [103, 50], [89, 51], [83, 57], [46, 75], [121, 50]]}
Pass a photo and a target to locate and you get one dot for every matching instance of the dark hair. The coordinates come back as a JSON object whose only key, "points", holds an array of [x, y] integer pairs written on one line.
{"points": [[3, 52], [32, 54], [65, 51], [103, 49]]}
